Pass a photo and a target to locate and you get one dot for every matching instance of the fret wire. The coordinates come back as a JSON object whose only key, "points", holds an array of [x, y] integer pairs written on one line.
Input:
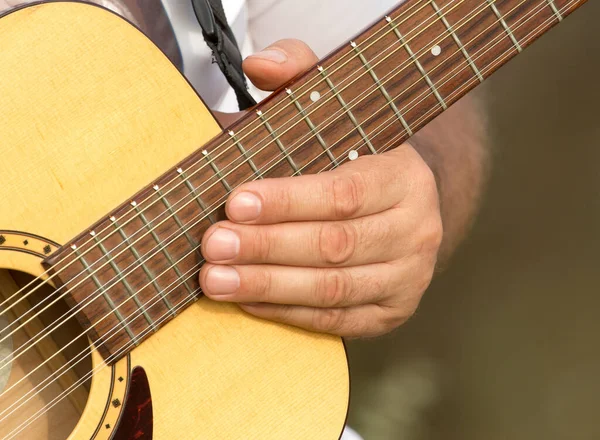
{"points": [[555, 10], [381, 88], [347, 110], [504, 25], [277, 140], [242, 150], [107, 298], [312, 127], [419, 66], [193, 243], [457, 40], [137, 256], [191, 188], [216, 170], [124, 281]]}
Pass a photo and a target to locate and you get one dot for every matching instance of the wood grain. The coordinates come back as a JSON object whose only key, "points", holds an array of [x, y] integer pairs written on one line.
{"points": [[91, 113]]}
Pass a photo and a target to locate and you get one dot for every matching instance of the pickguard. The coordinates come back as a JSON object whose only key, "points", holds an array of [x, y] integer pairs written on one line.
{"points": [[136, 421]]}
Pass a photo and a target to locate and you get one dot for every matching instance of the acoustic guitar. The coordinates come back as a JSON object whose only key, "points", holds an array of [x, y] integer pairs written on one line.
{"points": [[111, 169]]}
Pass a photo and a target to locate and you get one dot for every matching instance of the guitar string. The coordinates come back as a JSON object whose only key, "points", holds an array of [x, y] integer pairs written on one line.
{"points": [[28, 422], [152, 229], [382, 149], [120, 279], [22, 348], [259, 125]]}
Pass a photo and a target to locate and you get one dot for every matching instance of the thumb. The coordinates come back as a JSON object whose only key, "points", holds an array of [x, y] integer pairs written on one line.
{"points": [[278, 63]]}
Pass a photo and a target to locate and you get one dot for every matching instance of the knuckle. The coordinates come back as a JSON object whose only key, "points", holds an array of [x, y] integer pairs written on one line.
{"points": [[337, 243], [261, 285], [431, 235], [284, 313], [348, 195], [334, 288], [328, 320], [262, 244], [282, 200]]}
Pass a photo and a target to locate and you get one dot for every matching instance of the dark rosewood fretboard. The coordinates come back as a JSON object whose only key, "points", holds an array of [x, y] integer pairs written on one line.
{"points": [[138, 267]]}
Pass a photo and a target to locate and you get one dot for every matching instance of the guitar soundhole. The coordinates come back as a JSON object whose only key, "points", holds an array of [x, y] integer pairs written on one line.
{"points": [[44, 380]]}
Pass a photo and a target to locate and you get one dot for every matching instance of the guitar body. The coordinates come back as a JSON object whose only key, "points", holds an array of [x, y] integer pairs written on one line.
{"points": [[90, 112]]}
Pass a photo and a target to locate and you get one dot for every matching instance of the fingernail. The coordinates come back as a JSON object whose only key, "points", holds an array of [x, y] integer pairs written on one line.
{"points": [[244, 207], [222, 280], [274, 55], [222, 245]]}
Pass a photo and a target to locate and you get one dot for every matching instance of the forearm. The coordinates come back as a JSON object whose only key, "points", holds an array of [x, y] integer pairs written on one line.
{"points": [[455, 147]]}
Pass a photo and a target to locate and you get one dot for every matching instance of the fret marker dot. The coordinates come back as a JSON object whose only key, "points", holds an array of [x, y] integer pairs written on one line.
{"points": [[353, 155], [315, 96], [436, 50]]}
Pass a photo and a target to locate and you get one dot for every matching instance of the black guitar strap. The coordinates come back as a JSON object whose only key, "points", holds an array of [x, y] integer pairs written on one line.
{"points": [[226, 53]]}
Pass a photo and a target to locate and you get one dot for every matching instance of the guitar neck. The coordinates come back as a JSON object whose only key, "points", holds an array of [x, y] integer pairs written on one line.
{"points": [[367, 97]]}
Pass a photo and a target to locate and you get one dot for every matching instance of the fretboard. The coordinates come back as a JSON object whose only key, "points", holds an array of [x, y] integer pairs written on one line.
{"points": [[137, 268]]}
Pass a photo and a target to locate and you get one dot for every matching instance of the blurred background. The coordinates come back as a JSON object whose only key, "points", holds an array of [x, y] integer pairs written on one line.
{"points": [[506, 343]]}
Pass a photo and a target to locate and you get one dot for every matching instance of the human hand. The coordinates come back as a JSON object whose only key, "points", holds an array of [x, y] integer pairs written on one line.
{"points": [[348, 252]]}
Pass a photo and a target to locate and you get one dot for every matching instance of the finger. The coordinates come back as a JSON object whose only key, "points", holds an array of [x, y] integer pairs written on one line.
{"points": [[279, 63], [365, 186], [298, 286], [361, 321], [373, 239]]}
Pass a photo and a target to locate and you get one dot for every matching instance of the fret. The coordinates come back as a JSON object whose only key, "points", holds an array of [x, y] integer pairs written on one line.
{"points": [[347, 110], [278, 141], [240, 147], [418, 64], [312, 127], [504, 25], [381, 88], [107, 297], [555, 10], [217, 171], [457, 40], [193, 243], [140, 261], [123, 280], [197, 198]]}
